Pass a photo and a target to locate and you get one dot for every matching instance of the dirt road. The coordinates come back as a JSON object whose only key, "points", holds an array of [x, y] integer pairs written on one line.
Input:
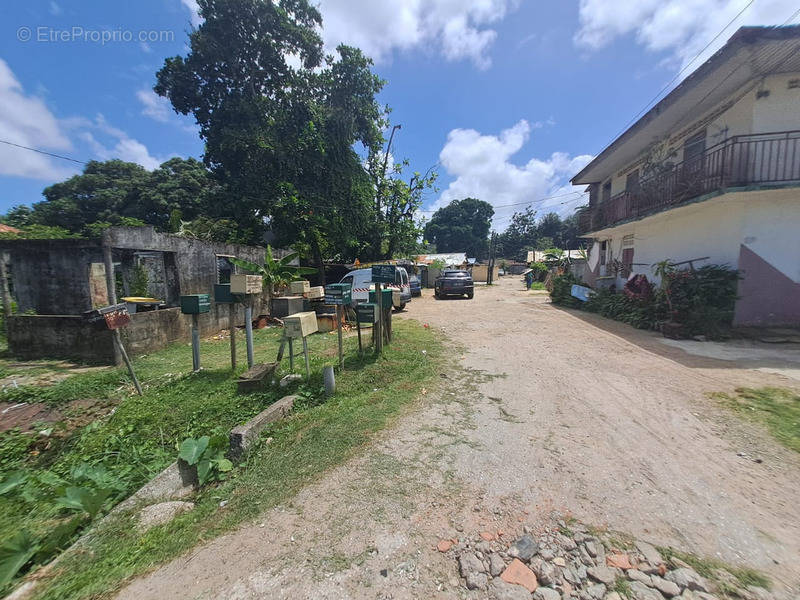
{"points": [[543, 410]]}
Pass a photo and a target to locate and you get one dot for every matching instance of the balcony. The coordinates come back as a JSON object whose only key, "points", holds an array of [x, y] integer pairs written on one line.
{"points": [[770, 159]]}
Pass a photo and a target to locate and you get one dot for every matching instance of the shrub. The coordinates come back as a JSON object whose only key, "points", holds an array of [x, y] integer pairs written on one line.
{"points": [[539, 271], [561, 293]]}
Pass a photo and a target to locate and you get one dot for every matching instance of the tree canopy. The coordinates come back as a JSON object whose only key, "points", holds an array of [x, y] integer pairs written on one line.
{"points": [[525, 233], [461, 226]]}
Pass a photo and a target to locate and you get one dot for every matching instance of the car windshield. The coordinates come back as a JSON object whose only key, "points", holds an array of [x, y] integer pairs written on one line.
{"points": [[456, 274]]}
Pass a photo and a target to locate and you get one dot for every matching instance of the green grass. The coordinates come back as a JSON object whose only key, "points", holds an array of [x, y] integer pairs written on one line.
{"points": [[139, 439], [777, 409], [538, 286], [711, 567], [622, 586]]}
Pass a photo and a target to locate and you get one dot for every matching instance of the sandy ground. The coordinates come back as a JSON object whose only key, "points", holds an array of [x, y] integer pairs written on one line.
{"points": [[543, 410]]}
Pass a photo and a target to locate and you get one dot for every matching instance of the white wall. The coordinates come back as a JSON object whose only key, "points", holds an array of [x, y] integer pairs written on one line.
{"points": [[780, 110], [768, 222]]}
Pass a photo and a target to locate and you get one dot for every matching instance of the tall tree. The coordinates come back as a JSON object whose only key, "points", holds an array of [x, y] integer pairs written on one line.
{"points": [[461, 226], [281, 138], [520, 235]]}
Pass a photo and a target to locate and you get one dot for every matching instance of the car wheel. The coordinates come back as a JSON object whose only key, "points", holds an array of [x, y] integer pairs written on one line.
{"points": [[436, 294], [400, 308], [470, 295]]}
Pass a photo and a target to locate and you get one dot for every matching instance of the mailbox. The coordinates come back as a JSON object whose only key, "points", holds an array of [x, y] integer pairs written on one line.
{"points": [[222, 293], [386, 297], [246, 284], [338, 293], [298, 288], [383, 273], [299, 325], [366, 312], [194, 304]]}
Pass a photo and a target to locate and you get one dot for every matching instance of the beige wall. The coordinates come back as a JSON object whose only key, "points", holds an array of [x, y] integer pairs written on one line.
{"points": [[779, 111], [479, 272]]}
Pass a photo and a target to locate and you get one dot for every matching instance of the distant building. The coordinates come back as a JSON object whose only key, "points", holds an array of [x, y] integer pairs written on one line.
{"points": [[710, 173]]}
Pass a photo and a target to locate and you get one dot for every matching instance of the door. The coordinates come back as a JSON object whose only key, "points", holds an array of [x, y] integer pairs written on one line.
{"points": [[693, 171]]}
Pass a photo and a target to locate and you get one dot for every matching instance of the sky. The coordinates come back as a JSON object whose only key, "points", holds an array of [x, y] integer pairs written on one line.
{"points": [[508, 99]]}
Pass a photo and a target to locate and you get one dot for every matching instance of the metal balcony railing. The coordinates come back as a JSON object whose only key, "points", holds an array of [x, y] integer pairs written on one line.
{"points": [[745, 160]]}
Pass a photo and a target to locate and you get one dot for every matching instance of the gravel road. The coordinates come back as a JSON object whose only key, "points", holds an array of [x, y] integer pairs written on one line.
{"points": [[543, 410]]}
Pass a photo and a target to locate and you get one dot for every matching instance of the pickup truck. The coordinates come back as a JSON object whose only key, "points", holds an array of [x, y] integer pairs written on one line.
{"points": [[454, 283]]}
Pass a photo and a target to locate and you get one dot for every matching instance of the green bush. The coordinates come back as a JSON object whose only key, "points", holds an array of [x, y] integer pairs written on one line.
{"points": [[640, 314], [539, 271], [562, 290]]}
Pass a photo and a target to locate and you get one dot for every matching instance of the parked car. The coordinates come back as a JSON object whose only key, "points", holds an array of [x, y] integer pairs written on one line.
{"points": [[416, 285], [361, 283], [454, 283]]}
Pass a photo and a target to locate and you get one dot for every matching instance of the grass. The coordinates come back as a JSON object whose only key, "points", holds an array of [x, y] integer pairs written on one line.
{"points": [[710, 568], [538, 286], [777, 409], [622, 586], [139, 439]]}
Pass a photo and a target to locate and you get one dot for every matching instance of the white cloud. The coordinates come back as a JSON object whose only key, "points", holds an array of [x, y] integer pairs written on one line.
{"points": [[117, 143], [153, 105], [482, 167], [458, 29], [679, 27], [26, 120]]}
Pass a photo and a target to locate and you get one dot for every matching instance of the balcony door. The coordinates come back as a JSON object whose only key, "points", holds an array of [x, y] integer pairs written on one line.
{"points": [[693, 170]]}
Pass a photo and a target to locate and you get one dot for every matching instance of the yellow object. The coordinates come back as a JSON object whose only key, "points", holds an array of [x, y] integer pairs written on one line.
{"points": [[299, 287], [141, 300], [246, 284], [299, 325]]}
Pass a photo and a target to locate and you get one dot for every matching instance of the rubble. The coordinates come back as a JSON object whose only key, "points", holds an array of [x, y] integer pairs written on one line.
{"points": [[558, 564]]}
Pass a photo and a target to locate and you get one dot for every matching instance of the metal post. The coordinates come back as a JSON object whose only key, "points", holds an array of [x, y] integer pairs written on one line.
{"points": [[121, 348], [5, 289], [378, 326], [232, 324], [358, 328], [291, 355], [248, 330], [195, 344], [339, 316], [108, 263], [305, 353]]}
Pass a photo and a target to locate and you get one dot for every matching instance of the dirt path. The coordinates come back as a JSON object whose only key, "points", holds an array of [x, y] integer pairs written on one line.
{"points": [[544, 410]]}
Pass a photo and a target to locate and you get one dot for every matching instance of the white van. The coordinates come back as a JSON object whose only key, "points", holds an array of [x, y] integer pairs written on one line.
{"points": [[361, 283]]}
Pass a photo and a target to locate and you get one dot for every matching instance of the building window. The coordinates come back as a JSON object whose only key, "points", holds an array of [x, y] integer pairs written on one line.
{"points": [[606, 195], [632, 181]]}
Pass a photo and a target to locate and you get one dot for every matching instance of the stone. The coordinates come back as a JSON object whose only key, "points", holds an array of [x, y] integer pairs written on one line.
{"points": [[620, 561], [544, 571], [444, 545], [469, 563], [500, 590], [759, 593], [487, 536], [524, 548], [636, 575], [668, 588], [687, 578], [578, 537], [640, 591], [597, 591], [558, 561], [518, 573], [612, 596], [161, 513], [289, 379], [546, 593], [565, 542], [476, 581], [548, 554], [650, 554], [242, 437], [700, 595], [586, 559], [496, 564], [571, 576], [602, 574], [591, 549]]}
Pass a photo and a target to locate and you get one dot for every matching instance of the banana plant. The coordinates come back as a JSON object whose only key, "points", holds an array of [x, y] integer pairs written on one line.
{"points": [[276, 273]]}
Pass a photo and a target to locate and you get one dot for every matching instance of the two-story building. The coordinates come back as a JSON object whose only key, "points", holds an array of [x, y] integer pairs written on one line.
{"points": [[710, 174]]}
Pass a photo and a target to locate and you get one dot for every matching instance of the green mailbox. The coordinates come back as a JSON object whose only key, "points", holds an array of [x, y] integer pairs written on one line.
{"points": [[338, 293], [222, 293], [383, 273], [194, 304], [367, 312], [386, 297]]}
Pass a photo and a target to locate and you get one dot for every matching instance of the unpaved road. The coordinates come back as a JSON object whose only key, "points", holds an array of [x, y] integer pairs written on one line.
{"points": [[543, 410]]}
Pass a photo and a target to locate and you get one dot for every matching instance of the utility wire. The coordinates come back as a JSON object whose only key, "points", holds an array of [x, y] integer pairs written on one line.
{"points": [[75, 160]]}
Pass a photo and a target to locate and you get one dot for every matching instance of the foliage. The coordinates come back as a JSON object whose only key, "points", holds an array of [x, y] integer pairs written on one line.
{"points": [[524, 233], [208, 455], [713, 569], [540, 270], [701, 301], [40, 232], [312, 440], [778, 409], [140, 281], [462, 226], [276, 273], [18, 216], [561, 293]]}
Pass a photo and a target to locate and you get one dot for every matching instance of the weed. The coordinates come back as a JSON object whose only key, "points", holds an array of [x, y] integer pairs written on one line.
{"points": [[622, 586], [778, 409], [711, 567]]}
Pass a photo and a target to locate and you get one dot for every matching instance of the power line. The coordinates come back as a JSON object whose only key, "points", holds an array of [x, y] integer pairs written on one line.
{"points": [[523, 203], [75, 160]]}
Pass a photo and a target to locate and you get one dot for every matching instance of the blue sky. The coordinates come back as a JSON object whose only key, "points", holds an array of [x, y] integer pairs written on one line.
{"points": [[509, 98]]}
